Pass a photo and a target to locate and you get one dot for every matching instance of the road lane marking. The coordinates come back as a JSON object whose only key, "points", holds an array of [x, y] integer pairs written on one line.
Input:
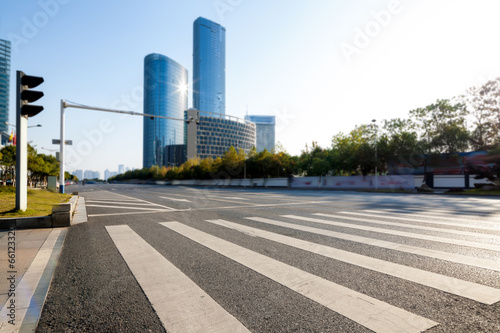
{"points": [[28, 284], [151, 203], [477, 224], [175, 199], [367, 311], [485, 237], [452, 257], [398, 233], [225, 200], [471, 290], [118, 203], [134, 208], [141, 212], [180, 304]]}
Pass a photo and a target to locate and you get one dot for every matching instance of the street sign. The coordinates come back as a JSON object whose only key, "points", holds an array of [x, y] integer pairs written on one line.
{"points": [[58, 142]]}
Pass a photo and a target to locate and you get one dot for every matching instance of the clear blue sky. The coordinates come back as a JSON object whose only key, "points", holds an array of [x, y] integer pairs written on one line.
{"points": [[322, 66]]}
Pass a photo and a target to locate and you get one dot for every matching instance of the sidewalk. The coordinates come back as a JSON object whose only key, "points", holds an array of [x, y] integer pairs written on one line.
{"points": [[28, 258]]}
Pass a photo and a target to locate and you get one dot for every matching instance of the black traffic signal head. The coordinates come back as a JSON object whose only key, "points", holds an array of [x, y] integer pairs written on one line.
{"points": [[26, 96]]}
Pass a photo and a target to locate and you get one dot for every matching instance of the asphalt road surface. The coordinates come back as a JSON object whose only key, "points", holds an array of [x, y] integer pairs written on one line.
{"points": [[179, 259]]}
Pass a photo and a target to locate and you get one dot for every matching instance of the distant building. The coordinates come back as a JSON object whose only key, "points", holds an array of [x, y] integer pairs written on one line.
{"points": [[78, 174], [121, 168], [107, 174], [4, 84], [90, 174], [209, 66], [175, 155], [265, 131], [215, 133], [165, 94]]}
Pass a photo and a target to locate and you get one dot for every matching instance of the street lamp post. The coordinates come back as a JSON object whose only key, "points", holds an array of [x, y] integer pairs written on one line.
{"points": [[376, 157]]}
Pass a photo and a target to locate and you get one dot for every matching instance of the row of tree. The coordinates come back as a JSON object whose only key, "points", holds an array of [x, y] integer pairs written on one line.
{"points": [[40, 166], [465, 123]]}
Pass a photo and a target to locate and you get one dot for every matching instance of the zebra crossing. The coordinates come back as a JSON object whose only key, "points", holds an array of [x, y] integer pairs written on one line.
{"points": [[183, 306]]}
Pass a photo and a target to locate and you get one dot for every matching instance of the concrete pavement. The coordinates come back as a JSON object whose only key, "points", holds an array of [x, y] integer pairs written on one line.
{"points": [[28, 261]]}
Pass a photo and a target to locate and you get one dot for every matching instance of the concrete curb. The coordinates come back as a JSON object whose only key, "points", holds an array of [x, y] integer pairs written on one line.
{"points": [[62, 216]]}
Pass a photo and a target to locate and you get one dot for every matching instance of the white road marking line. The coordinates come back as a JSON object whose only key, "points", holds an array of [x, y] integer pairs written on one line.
{"points": [[225, 200], [471, 290], [141, 212], [174, 199], [440, 216], [27, 285], [118, 203], [484, 237], [367, 311], [399, 233], [395, 216], [480, 216], [135, 208], [452, 257], [151, 203], [234, 198], [180, 304]]}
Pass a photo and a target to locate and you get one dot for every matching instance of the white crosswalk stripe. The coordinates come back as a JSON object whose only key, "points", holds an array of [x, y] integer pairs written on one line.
{"points": [[474, 291], [180, 304], [367, 311], [452, 257], [388, 231], [486, 237], [183, 306], [435, 220]]}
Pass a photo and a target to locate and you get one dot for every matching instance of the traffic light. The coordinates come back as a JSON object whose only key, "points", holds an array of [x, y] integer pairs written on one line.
{"points": [[26, 96]]}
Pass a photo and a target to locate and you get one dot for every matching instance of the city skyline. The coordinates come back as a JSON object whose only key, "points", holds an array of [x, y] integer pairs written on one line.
{"points": [[320, 67]]}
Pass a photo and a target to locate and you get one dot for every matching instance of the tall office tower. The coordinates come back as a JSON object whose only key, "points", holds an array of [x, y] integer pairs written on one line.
{"points": [[165, 94], [209, 66], [265, 128], [4, 84]]}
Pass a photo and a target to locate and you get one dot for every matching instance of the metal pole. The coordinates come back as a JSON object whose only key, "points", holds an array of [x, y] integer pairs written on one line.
{"points": [[21, 151], [61, 150], [376, 157]]}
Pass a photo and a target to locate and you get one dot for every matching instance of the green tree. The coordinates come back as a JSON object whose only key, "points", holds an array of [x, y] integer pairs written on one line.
{"points": [[442, 126], [484, 105]]}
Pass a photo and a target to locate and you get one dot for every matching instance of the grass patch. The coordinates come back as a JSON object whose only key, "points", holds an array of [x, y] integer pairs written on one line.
{"points": [[476, 191], [40, 202]]}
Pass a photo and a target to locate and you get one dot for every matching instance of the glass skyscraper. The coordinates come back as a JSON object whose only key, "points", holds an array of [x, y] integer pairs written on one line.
{"points": [[165, 94], [209, 66], [265, 131], [4, 84]]}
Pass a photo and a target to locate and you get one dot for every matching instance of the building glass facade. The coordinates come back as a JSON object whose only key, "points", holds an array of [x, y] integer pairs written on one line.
{"points": [[215, 133], [265, 129], [4, 84], [209, 66], [165, 94]]}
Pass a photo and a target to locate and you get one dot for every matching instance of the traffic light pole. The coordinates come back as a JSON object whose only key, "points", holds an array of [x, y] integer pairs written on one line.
{"points": [[68, 104], [21, 152]]}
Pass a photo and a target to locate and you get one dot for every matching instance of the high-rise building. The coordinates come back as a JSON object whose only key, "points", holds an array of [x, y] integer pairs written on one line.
{"points": [[209, 66], [265, 128], [165, 94], [4, 84], [215, 133], [121, 168]]}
